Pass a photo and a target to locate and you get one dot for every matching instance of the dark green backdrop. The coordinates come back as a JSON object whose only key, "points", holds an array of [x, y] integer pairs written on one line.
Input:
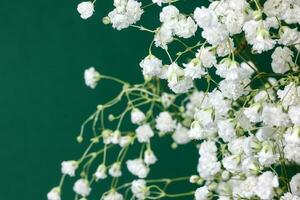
{"points": [[44, 48]]}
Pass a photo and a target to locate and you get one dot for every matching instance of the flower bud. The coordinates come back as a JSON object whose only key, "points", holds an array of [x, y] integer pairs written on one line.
{"points": [[106, 20]]}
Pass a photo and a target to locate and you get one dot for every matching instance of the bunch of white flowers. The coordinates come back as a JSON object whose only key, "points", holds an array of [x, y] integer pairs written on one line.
{"points": [[233, 94]]}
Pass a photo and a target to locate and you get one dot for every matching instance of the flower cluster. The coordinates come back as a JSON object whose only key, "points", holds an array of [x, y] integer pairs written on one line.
{"points": [[233, 89]]}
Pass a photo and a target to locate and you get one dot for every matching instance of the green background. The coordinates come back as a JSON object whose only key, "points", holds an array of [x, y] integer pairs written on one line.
{"points": [[44, 48]]}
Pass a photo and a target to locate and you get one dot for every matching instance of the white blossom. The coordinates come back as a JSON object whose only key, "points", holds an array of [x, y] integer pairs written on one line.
{"points": [[294, 114], [202, 193], [180, 136], [129, 12], [168, 13], [139, 189], [164, 122], [137, 116], [86, 9], [54, 194], [265, 185], [144, 133], [151, 66], [115, 170], [282, 60], [101, 172], [295, 184], [149, 157], [82, 187], [274, 116], [69, 167], [138, 168], [91, 77], [113, 195]]}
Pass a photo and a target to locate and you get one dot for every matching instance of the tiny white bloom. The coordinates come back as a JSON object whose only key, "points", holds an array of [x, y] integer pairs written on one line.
{"points": [[202, 193], [82, 187], [115, 170], [164, 122], [91, 77], [86, 9], [295, 184], [137, 116], [144, 133], [113, 195], [138, 168], [101, 172], [139, 189], [149, 157], [54, 194], [69, 167]]}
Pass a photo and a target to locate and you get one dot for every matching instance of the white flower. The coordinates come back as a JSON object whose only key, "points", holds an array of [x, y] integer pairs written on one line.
{"points": [[115, 170], [168, 13], [174, 74], [125, 140], [69, 167], [194, 69], [251, 166], [295, 184], [294, 114], [208, 148], [253, 113], [185, 27], [292, 135], [167, 99], [151, 66], [268, 155], [207, 57], [176, 79], [164, 122], [226, 130], [274, 116], [205, 17], [258, 35], [101, 172], [149, 157], [205, 117], [208, 164], [82, 187], [126, 14], [163, 36], [232, 163], [202, 193], [236, 146], [290, 95], [160, 2], [265, 185], [291, 153], [289, 196], [288, 36], [282, 60], [113, 195], [138, 168], [225, 48], [234, 21], [144, 133], [180, 136], [54, 194], [86, 9], [137, 116], [91, 77], [215, 35], [232, 89], [139, 189], [247, 187]]}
